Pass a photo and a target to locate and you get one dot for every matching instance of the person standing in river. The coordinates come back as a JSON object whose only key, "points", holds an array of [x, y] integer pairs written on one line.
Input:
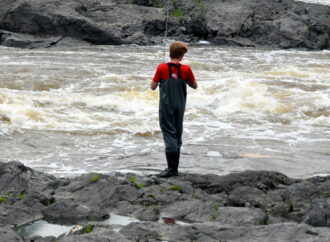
{"points": [[173, 78]]}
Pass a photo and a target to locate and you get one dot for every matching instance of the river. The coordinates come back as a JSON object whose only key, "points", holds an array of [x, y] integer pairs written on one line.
{"points": [[77, 110]]}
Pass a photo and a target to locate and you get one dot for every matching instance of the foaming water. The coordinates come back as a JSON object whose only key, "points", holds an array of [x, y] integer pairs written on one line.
{"points": [[71, 111], [324, 2]]}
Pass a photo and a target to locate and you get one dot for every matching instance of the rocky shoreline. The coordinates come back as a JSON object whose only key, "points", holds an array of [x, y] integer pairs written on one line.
{"points": [[246, 206], [250, 23]]}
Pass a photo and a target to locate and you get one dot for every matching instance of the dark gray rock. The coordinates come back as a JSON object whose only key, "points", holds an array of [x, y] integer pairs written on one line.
{"points": [[41, 239], [222, 232], [71, 212], [27, 41], [147, 214], [247, 206], [98, 234], [262, 180], [16, 178], [276, 24], [319, 215], [6, 234], [147, 231]]}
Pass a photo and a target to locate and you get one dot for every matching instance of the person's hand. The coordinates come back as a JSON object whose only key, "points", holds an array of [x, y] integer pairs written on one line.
{"points": [[193, 85], [153, 85]]}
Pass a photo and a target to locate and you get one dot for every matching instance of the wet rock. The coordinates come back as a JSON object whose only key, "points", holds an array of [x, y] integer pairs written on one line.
{"points": [[229, 215], [6, 234], [300, 195], [247, 206], [70, 212], [319, 215], [98, 234], [147, 214], [287, 232], [104, 190], [276, 24], [17, 178], [222, 232], [27, 41], [41, 239], [262, 180], [146, 231]]}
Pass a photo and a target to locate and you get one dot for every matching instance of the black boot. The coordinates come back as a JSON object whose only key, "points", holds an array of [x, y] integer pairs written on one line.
{"points": [[176, 160], [172, 163]]}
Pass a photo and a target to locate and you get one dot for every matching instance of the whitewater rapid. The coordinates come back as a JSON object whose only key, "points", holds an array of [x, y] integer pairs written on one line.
{"points": [[68, 111]]}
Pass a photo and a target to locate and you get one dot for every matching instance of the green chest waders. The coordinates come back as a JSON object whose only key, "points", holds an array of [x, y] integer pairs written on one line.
{"points": [[172, 104]]}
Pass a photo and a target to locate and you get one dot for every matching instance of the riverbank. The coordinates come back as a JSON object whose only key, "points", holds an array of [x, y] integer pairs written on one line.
{"points": [[246, 206], [267, 23]]}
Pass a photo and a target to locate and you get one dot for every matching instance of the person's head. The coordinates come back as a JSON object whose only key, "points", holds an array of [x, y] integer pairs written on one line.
{"points": [[178, 49]]}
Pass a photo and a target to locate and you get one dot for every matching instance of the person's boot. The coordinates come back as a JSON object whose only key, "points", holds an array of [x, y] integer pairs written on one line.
{"points": [[176, 160], [172, 163]]}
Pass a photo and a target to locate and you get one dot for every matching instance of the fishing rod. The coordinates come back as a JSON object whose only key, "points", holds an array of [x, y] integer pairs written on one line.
{"points": [[166, 26]]}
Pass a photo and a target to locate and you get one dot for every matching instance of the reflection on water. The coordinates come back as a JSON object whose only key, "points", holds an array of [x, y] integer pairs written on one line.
{"points": [[43, 228], [70, 111]]}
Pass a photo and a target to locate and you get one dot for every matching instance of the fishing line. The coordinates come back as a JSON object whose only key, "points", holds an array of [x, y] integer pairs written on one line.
{"points": [[166, 25], [31, 91]]}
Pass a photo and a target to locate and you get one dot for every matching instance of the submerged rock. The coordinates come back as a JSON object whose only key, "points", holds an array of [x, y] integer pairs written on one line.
{"points": [[267, 23], [246, 206]]}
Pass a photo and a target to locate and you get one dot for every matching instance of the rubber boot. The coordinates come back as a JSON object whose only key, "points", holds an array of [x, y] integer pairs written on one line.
{"points": [[176, 160], [172, 163]]}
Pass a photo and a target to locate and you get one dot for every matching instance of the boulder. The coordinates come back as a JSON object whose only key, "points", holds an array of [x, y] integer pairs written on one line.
{"points": [[71, 212]]}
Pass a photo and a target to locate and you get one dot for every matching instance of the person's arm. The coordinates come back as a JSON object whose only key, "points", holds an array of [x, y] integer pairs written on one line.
{"points": [[153, 85], [156, 79], [191, 81]]}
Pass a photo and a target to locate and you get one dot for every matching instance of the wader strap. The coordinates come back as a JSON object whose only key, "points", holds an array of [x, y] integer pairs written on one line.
{"points": [[170, 70]]}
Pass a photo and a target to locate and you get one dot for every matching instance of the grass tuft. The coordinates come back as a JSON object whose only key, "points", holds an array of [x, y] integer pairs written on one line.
{"points": [[132, 179], [175, 188], [95, 178], [200, 4], [21, 195], [89, 228], [177, 13], [3, 199], [140, 186]]}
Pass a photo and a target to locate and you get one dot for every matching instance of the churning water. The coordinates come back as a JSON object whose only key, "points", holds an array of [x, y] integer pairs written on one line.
{"points": [[69, 111], [324, 2]]}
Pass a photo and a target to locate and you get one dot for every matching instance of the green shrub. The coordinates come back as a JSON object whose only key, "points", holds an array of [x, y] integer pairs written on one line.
{"points": [[175, 188], [89, 228], [177, 13], [200, 4], [152, 195], [95, 178], [132, 179], [140, 186], [3, 199]]}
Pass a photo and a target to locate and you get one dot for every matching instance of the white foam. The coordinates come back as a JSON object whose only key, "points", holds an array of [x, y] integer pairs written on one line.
{"points": [[325, 2], [213, 154]]}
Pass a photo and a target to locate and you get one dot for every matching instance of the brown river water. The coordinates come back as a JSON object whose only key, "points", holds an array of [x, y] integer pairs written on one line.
{"points": [[78, 110]]}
